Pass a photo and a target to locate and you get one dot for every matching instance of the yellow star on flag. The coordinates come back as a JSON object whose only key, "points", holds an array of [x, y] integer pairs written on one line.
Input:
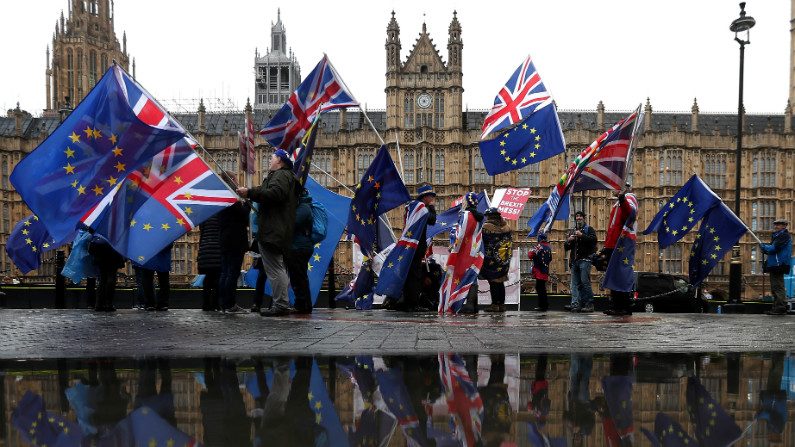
{"points": [[165, 226], [89, 132], [97, 190], [181, 222], [309, 266], [97, 133], [81, 190], [120, 167], [133, 222], [178, 180], [112, 180], [74, 137], [69, 152], [147, 227], [317, 257], [533, 130], [28, 241], [69, 168], [524, 160], [117, 151], [502, 143], [113, 138], [188, 210], [25, 231], [74, 184]]}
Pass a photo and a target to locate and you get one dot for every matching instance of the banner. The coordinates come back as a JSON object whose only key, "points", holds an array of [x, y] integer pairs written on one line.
{"points": [[511, 201]]}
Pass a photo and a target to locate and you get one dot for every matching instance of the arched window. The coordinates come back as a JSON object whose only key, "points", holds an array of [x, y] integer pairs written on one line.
{"points": [[408, 110], [79, 80], [715, 170], [438, 167], [671, 167], [70, 76], [104, 64], [764, 170], [92, 68]]}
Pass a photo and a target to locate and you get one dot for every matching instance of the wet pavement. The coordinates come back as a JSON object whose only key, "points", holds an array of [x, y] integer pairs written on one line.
{"points": [[43, 333], [539, 399]]}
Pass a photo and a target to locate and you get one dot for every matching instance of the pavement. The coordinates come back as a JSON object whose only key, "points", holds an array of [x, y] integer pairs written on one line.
{"points": [[47, 333]]}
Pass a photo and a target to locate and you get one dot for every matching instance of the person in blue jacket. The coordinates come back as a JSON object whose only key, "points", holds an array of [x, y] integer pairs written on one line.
{"points": [[779, 253]]}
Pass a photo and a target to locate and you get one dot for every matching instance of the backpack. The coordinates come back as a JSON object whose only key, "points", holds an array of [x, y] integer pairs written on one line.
{"points": [[319, 222]]}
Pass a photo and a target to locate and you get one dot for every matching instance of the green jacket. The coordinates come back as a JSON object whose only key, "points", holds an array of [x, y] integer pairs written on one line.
{"points": [[278, 199]]}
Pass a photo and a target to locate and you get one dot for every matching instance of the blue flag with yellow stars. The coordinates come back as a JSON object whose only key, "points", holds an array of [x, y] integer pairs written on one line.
{"points": [[303, 154], [714, 427], [380, 190], [37, 426], [115, 129], [447, 220], [325, 415], [682, 212], [28, 240], [618, 396], [668, 433], [719, 231], [535, 138]]}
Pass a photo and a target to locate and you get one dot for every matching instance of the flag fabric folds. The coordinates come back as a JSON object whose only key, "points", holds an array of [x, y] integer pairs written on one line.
{"points": [[37, 426], [677, 217], [544, 213], [381, 189], [668, 433], [396, 265], [145, 426], [620, 275], [463, 264], [616, 136], [302, 156], [398, 401], [464, 403], [115, 129], [714, 427], [322, 90], [618, 396], [719, 231], [325, 413], [522, 127], [173, 193], [28, 240], [447, 220]]}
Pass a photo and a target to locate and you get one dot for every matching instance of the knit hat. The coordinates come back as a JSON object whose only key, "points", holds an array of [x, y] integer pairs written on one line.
{"points": [[284, 156], [425, 190]]}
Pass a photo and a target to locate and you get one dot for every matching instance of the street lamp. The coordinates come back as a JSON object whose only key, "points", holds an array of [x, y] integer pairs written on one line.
{"points": [[739, 25]]}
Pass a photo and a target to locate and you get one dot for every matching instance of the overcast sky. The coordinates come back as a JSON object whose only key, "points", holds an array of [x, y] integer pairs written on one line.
{"points": [[617, 51]]}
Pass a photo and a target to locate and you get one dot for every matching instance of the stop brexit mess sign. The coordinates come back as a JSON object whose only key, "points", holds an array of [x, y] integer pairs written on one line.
{"points": [[512, 202]]}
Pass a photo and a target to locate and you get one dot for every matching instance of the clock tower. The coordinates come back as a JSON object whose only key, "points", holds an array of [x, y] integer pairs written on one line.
{"points": [[423, 91]]}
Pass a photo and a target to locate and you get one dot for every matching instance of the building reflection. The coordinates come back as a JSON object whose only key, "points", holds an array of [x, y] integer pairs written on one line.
{"points": [[529, 399]]}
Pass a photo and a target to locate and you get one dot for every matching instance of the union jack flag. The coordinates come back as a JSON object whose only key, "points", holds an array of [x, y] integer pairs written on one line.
{"points": [[463, 400], [321, 91], [398, 402], [172, 194], [522, 95], [616, 144], [463, 264], [396, 265]]}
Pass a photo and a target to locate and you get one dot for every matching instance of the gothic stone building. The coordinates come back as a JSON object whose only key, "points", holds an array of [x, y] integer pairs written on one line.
{"points": [[438, 144]]}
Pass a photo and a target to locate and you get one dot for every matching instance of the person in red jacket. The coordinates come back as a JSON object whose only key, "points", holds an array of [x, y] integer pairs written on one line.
{"points": [[541, 255], [623, 213]]}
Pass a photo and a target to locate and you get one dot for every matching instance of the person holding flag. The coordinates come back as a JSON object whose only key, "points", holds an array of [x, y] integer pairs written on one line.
{"points": [[779, 253], [619, 276], [278, 200]]}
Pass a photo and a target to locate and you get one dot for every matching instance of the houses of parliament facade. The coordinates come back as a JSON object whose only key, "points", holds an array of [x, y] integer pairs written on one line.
{"points": [[438, 143]]}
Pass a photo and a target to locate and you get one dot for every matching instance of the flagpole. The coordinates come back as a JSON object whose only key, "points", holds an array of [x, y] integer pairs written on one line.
{"points": [[399, 154], [632, 142]]}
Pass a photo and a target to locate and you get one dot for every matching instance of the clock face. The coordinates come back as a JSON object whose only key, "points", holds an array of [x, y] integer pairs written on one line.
{"points": [[424, 101]]}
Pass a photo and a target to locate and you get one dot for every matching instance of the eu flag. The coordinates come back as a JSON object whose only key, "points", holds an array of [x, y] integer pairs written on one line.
{"points": [[619, 274], [682, 212], [535, 138], [668, 433], [37, 426], [325, 414], [544, 213], [110, 134], [303, 154], [714, 427], [618, 396], [719, 231], [380, 190], [28, 240], [447, 220], [397, 263]]}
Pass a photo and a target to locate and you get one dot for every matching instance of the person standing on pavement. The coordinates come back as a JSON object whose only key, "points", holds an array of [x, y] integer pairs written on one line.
{"points": [[209, 261], [278, 200], [779, 255], [471, 202], [622, 215], [299, 255], [582, 244], [108, 261], [145, 279], [234, 244], [541, 255], [413, 287], [498, 247]]}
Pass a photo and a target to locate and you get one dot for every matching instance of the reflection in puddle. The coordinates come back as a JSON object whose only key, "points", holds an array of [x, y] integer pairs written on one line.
{"points": [[444, 400]]}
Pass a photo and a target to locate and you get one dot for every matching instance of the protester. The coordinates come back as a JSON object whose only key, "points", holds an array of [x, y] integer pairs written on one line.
{"points": [[413, 285], [622, 215], [299, 255], [278, 199], [209, 262], [108, 261], [234, 244], [471, 205], [779, 255], [581, 241], [145, 280], [541, 255], [498, 247]]}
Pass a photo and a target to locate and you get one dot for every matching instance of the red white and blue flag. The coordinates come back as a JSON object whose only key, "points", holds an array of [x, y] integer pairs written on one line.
{"points": [[464, 403], [173, 193], [616, 144], [321, 91], [522, 95], [463, 264], [396, 266]]}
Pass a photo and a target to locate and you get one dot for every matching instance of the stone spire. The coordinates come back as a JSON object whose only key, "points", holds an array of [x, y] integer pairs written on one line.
{"points": [[600, 116], [454, 44], [392, 45], [648, 111], [694, 116]]}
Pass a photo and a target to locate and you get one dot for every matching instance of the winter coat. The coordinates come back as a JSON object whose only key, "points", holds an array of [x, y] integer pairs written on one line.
{"points": [[498, 248], [278, 199], [541, 255], [234, 228], [582, 247], [209, 258], [779, 252], [104, 255], [302, 239]]}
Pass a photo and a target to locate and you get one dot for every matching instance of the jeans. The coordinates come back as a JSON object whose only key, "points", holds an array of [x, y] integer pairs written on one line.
{"points": [[273, 262], [227, 283], [581, 283]]}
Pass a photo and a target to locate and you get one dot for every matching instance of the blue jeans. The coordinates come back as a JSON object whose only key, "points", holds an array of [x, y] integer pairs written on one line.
{"points": [[581, 293], [227, 283]]}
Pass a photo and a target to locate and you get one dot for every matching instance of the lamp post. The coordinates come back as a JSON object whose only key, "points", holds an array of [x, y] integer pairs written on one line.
{"points": [[742, 24]]}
